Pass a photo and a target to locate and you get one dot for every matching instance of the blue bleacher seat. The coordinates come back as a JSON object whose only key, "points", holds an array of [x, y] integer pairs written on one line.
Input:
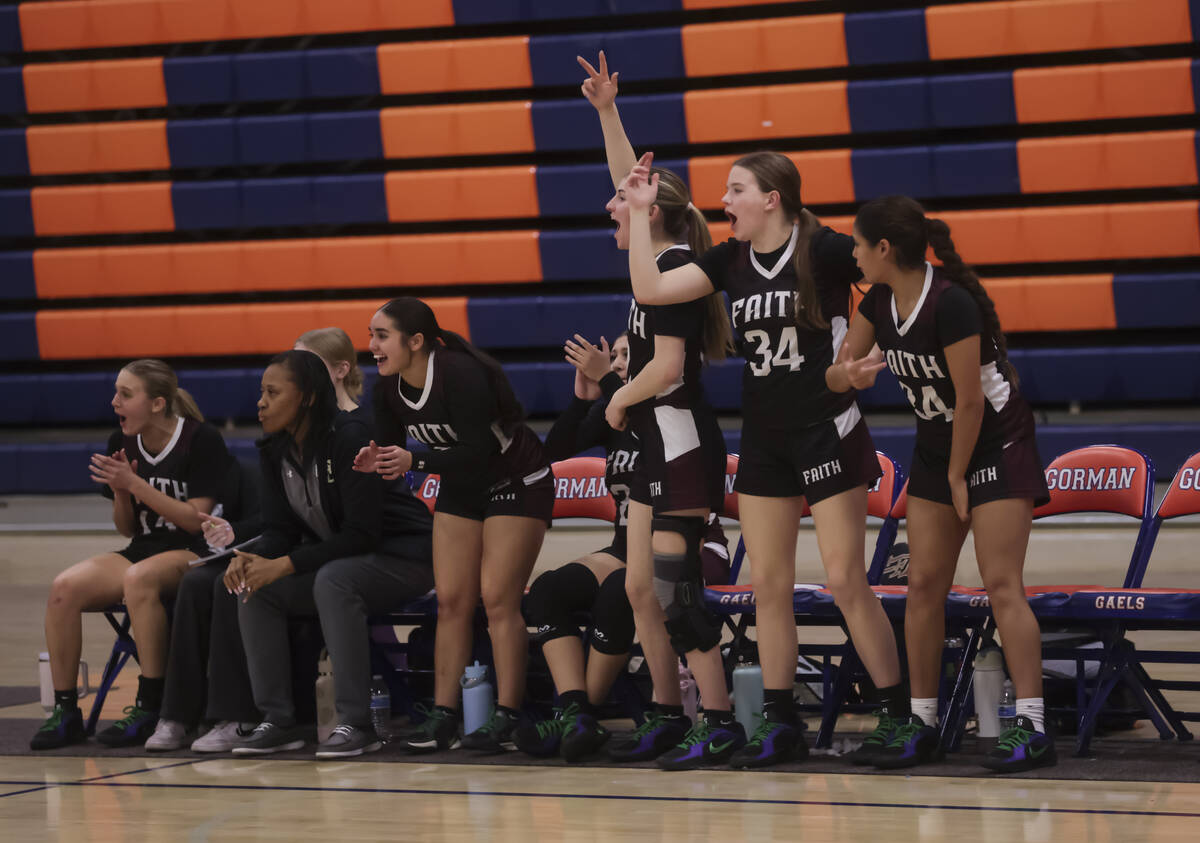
{"points": [[18, 336], [16, 270], [193, 80], [881, 172], [207, 204], [344, 136], [270, 202], [581, 255], [655, 120], [1157, 301], [468, 12], [886, 37], [14, 156], [976, 169], [546, 321], [340, 200], [576, 189], [976, 99], [16, 214], [1110, 374], [12, 90], [638, 55], [269, 76], [271, 140], [342, 72], [10, 29], [890, 105], [202, 143]]}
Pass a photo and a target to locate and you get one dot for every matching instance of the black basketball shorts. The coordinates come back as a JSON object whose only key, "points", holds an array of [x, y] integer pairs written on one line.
{"points": [[682, 462], [996, 472], [531, 496]]}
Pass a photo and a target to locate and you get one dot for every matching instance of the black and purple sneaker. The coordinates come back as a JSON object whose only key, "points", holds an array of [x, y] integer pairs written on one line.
{"points": [[62, 728], [657, 734], [1020, 747], [772, 743], [542, 738], [874, 743], [582, 738], [131, 730], [705, 745], [912, 743]]}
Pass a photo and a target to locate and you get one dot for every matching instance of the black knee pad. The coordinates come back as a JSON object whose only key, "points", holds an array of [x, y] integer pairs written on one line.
{"points": [[556, 596], [679, 586], [612, 617]]}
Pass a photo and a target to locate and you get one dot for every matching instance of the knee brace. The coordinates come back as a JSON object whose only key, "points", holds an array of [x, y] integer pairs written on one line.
{"points": [[612, 617], [556, 596], [679, 587]]}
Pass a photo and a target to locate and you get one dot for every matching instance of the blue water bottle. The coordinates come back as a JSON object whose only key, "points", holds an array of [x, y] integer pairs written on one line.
{"points": [[476, 697]]}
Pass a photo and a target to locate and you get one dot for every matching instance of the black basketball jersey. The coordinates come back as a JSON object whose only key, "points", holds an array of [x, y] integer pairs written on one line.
{"points": [[456, 415], [684, 320], [783, 383], [194, 464], [915, 353]]}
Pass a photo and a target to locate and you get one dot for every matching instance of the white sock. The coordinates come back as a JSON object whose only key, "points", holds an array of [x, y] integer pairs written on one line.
{"points": [[925, 709], [1035, 709]]}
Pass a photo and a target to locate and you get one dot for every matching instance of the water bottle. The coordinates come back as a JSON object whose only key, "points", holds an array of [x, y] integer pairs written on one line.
{"points": [[381, 708], [46, 682], [689, 693], [476, 697], [988, 686], [326, 709], [1007, 710], [747, 695]]}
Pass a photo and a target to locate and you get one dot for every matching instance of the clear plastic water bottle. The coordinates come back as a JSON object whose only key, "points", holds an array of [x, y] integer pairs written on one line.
{"points": [[747, 695], [476, 697], [381, 708], [1007, 710]]}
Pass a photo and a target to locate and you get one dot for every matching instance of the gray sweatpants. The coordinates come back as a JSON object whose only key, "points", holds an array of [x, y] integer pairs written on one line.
{"points": [[342, 593]]}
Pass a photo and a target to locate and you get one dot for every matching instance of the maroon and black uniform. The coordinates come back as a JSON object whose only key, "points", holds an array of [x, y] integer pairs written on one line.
{"points": [[1005, 462], [798, 436], [682, 447], [487, 468], [583, 426], [194, 464]]}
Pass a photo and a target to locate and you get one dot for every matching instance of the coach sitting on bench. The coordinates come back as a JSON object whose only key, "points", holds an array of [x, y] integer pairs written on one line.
{"points": [[337, 543]]}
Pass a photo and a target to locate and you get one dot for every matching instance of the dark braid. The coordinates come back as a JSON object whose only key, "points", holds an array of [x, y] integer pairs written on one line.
{"points": [[952, 265]]}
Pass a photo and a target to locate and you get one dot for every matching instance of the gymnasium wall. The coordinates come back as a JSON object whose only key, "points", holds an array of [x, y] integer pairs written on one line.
{"points": [[203, 180]]}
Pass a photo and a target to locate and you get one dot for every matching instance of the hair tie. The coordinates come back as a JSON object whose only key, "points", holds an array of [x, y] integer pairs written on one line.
{"points": [[691, 207]]}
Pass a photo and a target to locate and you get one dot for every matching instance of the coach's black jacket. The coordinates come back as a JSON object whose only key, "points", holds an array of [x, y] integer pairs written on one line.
{"points": [[365, 512]]}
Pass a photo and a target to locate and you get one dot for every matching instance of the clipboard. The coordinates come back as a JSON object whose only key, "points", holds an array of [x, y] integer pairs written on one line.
{"points": [[223, 552]]}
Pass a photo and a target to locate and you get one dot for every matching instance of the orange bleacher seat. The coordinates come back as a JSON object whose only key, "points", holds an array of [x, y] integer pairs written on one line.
{"points": [[102, 209], [467, 65], [478, 193], [723, 4], [211, 330], [499, 257], [98, 147], [95, 85], [764, 46], [825, 175], [1050, 26], [1103, 91], [1067, 303], [80, 24], [776, 111], [1107, 162], [474, 129]]}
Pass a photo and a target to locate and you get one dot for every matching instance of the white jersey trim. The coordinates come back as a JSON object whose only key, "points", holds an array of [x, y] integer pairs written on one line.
{"points": [[846, 420], [162, 455], [995, 387], [677, 427], [669, 248], [783, 259], [912, 317], [838, 327], [425, 392]]}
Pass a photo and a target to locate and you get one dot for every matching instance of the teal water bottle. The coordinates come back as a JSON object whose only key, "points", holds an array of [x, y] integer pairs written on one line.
{"points": [[747, 695]]}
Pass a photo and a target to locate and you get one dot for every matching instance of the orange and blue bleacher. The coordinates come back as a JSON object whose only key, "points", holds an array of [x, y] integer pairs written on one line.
{"points": [[227, 175]]}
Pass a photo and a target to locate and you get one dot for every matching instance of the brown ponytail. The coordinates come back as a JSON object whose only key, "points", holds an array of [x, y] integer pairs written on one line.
{"points": [[159, 381], [938, 234], [682, 220], [777, 172]]}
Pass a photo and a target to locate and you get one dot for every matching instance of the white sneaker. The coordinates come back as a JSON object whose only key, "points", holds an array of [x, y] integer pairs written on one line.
{"points": [[222, 737], [168, 736]]}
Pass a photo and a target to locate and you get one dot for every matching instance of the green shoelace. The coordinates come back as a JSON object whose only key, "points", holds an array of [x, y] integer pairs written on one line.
{"points": [[132, 713], [1013, 737], [697, 734], [902, 734], [883, 731], [54, 720], [652, 722], [561, 721]]}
